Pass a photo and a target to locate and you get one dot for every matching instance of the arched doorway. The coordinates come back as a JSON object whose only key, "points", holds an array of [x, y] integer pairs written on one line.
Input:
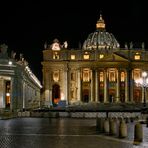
{"points": [[112, 93], [7, 94], [55, 94], [85, 95]]}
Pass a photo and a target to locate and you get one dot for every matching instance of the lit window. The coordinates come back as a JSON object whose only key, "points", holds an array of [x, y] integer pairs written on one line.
{"points": [[101, 77], [86, 56], [101, 56], [136, 74], [137, 56], [73, 57], [122, 76], [55, 55], [86, 76], [112, 77]]}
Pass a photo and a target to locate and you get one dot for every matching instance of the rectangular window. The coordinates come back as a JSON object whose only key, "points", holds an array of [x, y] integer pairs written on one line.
{"points": [[122, 76], [86, 76], [73, 57], [101, 77], [86, 56], [136, 74], [137, 57], [112, 77]]}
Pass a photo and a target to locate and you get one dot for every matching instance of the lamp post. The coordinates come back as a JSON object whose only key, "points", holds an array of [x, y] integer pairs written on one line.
{"points": [[143, 82]]}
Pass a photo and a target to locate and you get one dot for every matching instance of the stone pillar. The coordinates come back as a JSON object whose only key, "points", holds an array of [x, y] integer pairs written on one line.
{"points": [[122, 129], [50, 97], [79, 85], [143, 93], [66, 83], [2, 94], [46, 81], [12, 92], [105, 87], [24, 92], [129, 86], [106, 126], [96, 84], [92, 86], [118, 87], [138, 133]]}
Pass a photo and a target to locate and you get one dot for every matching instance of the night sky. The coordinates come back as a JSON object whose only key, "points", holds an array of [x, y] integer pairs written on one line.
{"points": [[26, 25]]}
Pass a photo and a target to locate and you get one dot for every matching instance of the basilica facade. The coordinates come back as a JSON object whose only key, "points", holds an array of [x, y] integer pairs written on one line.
{"points": [[100, 71]]}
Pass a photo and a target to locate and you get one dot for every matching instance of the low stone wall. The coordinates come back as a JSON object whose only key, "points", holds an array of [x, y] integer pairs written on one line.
{"points": [[82, 114]]}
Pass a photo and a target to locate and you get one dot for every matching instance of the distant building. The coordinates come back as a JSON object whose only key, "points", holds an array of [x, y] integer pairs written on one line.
{"points": [[99, 72], [19, 87]]}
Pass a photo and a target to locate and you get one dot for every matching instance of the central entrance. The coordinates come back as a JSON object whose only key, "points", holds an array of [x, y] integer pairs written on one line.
{"points": [[86, 92], [55, 94]]}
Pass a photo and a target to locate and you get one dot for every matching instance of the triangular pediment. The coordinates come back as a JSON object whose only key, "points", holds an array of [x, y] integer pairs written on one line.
{"points": [[115, 57]]}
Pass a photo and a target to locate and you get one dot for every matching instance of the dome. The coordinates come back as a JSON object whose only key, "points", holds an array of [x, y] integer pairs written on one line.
{"points": [[100, 39]]}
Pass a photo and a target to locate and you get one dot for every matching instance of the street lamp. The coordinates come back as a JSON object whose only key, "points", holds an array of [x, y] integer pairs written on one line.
{"points": [[143, 82]]}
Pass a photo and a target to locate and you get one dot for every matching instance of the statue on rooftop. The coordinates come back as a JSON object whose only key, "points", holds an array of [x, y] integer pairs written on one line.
{"points": [[143, 45], [13, 54], [21, 57], [126, 47], [131, 45], [65, 44], [3, 51]]}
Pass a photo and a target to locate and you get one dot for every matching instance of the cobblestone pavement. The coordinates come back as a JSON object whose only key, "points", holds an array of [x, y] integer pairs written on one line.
{"points": [[61, 133]]}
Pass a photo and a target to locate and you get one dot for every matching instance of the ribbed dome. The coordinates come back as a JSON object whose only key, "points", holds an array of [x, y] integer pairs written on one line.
{"points": [[100, 39]]}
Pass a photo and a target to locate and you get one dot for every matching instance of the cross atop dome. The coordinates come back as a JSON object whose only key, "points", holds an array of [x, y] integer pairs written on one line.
{"points": [[100, 23]]}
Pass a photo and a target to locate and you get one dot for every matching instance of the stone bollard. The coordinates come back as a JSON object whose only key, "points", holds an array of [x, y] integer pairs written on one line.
{"points": [[122, 129], [138, 133], [106, 125], [99, 124], [19, 114], [113, 127], [147, 122]]}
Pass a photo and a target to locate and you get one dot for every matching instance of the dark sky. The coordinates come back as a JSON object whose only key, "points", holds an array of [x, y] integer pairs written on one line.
{"points": [[26, 25]]}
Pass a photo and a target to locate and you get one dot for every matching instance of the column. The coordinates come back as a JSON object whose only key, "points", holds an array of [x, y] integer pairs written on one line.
{"points": [[24, 92], [105, 87], [14, 97], [46, 82], [118, 87], [66, 83], [12, 93], [79, 85], [2, 95], [92, 85], [143, 93], [127, 86], [96, 84], [130, 85]]}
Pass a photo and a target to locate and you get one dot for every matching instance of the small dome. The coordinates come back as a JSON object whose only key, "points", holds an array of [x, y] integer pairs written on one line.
{"points": [[100, 39]]}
